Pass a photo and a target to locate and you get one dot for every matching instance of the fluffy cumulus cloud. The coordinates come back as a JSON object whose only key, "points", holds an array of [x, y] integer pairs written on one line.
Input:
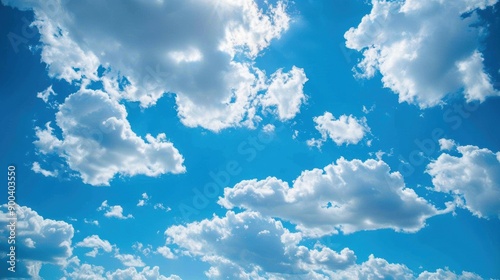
{"points": [[38, 241], [97, 141], [130, 260], [96, 243], [447, 274], [446, 144], [268, 128], [473, 176], [85, 272], [38, 169], [93, 272], [345, 196], [286, 93], [377, 268], [165, 252], [113, 211], [345, 130], [424, 50], [250, 246], [202, 51]]}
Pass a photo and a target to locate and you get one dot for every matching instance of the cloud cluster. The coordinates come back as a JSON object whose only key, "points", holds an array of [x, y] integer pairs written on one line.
{"points": [[96, 243], [166, 252], [98, 142], [202, 51], [88, 271], [425, 50], [345, 196], [473, 175], [345, 130], [130, 260], [248, 245], [447, 274], [38, 240]]}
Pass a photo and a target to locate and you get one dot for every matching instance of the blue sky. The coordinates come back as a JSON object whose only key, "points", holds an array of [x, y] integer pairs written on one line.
{"points": [[252, 139]]}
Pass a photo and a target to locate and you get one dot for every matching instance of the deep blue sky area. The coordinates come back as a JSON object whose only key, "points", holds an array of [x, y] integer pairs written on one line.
{"points": [[332, 169]]}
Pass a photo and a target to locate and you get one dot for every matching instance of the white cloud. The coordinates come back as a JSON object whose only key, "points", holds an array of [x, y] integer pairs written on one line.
{"points": [[375, 268], [346, 130], [96, 243], [93, 272], [92, 222], [473, 176], [165, 252], [345, 196], [424, 50], [130, 260], [253, 31], [445, 274], [162, 207], [283, 97], [380, 154], [33, 269], [191, 55], [141, 202], [268, 128], [144, 200], [45, 240], [114, 211], [250, 246], [145, 250], [29, 243], [117, 212], [46, 141], [367, 111], [86, 272], [446, 144], [45, 94], [286, 92], [204, 54], [477, 83], [147, 273], [38, 169], [98, 142], [92, 253], [234, 248], [313, 142]]}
